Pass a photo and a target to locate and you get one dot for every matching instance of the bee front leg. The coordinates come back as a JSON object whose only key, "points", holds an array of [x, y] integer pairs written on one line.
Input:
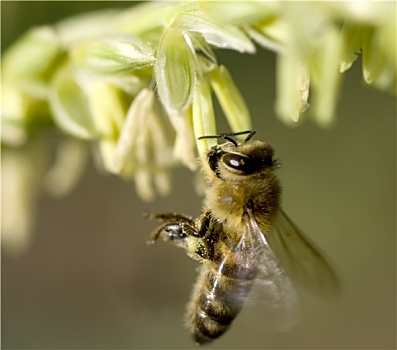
{"points": [[175, 228], [176, 233], [181, 231]]}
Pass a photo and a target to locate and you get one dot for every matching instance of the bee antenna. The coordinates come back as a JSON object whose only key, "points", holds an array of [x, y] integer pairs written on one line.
{"points": [[249, 137], [227, 136]]}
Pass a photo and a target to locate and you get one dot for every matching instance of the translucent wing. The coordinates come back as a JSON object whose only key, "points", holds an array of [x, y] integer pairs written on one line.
{"points": [[272, 294], [303, 263]]}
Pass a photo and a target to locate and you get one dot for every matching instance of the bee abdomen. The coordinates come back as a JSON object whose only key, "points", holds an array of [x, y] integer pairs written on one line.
{"points": [[216, 301]]}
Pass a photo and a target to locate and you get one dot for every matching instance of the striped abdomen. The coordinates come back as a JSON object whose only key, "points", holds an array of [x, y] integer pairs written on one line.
{"points": [[217, 298]]}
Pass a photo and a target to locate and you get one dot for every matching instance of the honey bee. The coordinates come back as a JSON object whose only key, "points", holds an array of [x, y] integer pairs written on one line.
{"points": [[243, 240]]}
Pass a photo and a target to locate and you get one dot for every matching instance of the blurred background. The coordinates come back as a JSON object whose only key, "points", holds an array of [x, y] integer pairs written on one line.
{"points": [[89, 280]]}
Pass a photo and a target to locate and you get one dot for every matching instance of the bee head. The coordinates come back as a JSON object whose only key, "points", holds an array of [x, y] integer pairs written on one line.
{"points": [[240, 158]]}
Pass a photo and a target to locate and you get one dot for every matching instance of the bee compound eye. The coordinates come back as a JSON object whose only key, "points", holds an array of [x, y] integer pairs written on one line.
{"points": [[241, 162]]}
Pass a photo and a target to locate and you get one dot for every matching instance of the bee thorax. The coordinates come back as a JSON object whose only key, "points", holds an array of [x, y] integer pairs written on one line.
{"points": [[226, 201]]}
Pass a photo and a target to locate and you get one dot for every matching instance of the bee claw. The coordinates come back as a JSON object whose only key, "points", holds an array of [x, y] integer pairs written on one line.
{"points": [[150, 241]]}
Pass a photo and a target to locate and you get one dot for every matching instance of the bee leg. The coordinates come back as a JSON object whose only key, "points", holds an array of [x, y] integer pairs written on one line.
{"points": [[174, 232], [169, 220], [178, 233], [183, 232], [170, 217], [205, 224]]}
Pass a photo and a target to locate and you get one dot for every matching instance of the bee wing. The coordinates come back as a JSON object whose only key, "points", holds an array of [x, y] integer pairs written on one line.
{"points": [[273, 294], [302, 261]]}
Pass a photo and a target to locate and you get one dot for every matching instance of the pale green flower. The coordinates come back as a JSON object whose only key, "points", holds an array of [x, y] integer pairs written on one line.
{"points": [[143, 148], [232, 102], [25, 85], [203, 115], [21, 174], [69, 105], [70, 159], [28, 170], [111, 55], [136, 85]]}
